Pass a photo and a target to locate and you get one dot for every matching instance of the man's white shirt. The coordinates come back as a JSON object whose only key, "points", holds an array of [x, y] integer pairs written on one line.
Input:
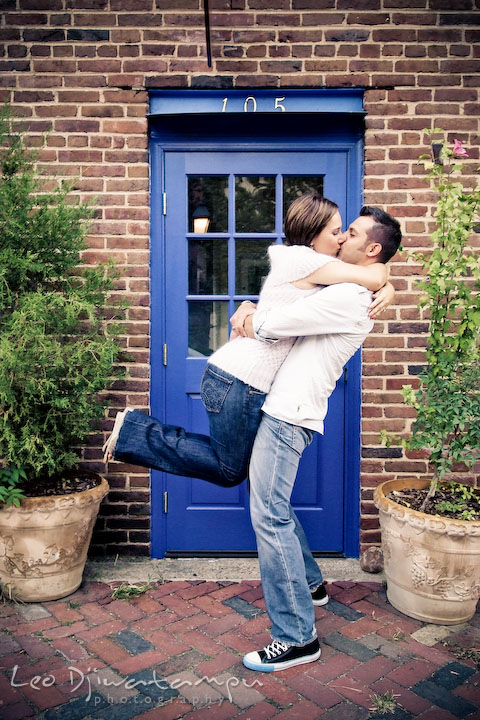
{"points": [[331, 325]]}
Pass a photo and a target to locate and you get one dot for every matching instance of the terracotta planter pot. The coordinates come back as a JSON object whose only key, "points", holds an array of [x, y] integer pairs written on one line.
{"points": [[432, 564], [44, 543]]}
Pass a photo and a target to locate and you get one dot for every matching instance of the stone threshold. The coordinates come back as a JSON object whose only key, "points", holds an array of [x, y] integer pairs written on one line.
{"points": [[137, 570]]}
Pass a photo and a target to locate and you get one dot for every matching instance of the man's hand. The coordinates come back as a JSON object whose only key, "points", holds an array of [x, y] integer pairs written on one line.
{"points": [[237, 321]]}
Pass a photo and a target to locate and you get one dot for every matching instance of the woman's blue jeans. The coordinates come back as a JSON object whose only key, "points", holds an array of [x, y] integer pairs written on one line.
{"points": [[234, 413], [288, 570]]}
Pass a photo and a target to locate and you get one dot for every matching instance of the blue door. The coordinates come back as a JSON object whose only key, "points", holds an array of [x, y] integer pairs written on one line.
{"points": [[220, 212]]}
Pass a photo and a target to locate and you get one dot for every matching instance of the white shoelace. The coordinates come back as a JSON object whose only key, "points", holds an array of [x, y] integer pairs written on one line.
{"points": [[275, 648]]}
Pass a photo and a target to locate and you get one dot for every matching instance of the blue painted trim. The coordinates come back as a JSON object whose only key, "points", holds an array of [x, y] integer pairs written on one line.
{"points": [[332, 100], [353, 395], [157, 295], [351, 523], [158, 144]]}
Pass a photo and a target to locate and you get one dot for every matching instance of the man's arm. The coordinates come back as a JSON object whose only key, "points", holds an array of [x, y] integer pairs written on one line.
{"points": [[336, 309]]}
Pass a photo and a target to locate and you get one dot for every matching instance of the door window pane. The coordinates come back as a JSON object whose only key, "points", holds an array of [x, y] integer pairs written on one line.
{"points": [[207, 267], [296, 185], [251, 265], [254, 203], [207, 201], [207, 327]]}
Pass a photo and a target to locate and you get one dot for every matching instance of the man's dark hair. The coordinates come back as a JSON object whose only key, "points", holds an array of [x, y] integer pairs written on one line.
{"points": [[385, 231]]}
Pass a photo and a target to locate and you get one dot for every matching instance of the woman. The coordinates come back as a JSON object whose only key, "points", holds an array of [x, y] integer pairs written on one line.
{"points": [[240, 373]]}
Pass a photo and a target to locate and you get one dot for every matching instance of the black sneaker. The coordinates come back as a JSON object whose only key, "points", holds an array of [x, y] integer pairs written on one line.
{"points": [[319, 596], [280, 656]]}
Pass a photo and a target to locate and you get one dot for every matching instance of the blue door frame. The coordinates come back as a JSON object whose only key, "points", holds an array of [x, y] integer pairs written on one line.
{"points": [[320, 133]]}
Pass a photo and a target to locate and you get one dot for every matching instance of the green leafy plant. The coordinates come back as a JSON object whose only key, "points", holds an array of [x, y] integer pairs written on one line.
{"points": [[447, 401], [10, 479], [384, 703], [464, 500], [58, 326], [8, 594], [125, 591]]}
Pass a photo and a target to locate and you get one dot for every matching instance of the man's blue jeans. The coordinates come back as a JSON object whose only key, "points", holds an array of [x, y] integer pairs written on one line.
{"points": [[288, 570], [234, 413]]}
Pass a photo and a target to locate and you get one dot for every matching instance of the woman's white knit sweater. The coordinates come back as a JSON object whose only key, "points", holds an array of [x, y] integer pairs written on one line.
{"points": [[253, 361]]}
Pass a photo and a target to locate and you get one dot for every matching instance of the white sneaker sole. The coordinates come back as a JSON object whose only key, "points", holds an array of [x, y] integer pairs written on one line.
{"points": [[321, 602], [109, 445]]}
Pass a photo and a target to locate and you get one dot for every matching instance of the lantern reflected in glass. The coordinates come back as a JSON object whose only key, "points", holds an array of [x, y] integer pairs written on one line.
{"points": [[201, 219]]}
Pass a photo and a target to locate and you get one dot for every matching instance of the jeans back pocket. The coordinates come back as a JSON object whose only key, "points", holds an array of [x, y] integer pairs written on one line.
{"points": [[214, 390]]}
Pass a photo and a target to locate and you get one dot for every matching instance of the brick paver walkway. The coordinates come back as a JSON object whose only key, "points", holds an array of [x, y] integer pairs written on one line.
{"points": [[175, 652]]}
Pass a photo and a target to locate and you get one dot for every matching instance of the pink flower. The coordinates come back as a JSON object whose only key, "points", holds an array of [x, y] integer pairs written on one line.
{"points": [[459, 150]]}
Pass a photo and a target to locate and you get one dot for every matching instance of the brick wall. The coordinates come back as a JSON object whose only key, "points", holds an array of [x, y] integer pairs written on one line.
{"points": [[82, 68]]}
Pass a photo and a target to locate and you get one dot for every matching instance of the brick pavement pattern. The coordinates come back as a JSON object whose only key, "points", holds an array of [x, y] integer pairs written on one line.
{"points": [[176, 652]]}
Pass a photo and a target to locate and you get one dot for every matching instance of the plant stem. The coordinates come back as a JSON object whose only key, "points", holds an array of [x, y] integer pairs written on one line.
{"points": [[431, 492]]}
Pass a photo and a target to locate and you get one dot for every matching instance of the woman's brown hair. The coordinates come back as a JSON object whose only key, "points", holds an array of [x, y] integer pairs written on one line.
{"points": [[306, 217]]}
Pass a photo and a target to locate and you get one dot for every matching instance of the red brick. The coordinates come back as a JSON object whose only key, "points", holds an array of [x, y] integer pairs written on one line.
{"points": [[140, 662], [63, 673], [435, 713], [470, 692], [302, 710], [125, 610], [315, 691], [202, 588], [412, 672], [148, 605], [95, 614], [43, 697], [257, 625], [8, 693], [329, 623], [351, 595], [331, 667], [35, 626], [63, 612], [238, 642], [372, 670], [405, 698], [35, 646], [274, 688], [172, 710], [26, 671], [222, 625], [210, 606], [165, 641], [353, 690], [18, 711], [216, 665], [201, 642], [70, 648], [360, 628], [399, 625], [260, 711], [66, 630], [107, 650], [102, 630]]}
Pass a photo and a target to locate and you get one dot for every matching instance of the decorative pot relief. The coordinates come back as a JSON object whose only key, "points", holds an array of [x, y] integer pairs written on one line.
{"points": [[15, 563], [454, 588]]}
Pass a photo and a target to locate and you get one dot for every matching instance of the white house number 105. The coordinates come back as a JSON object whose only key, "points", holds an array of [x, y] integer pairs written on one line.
{"points": [[250, 104]]}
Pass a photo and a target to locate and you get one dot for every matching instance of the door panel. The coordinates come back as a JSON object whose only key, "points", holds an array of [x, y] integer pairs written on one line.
{"points": [[244, 195]]}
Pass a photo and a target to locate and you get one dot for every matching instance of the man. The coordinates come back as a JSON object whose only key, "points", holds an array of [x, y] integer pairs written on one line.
{"points": [[332, 325]]}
